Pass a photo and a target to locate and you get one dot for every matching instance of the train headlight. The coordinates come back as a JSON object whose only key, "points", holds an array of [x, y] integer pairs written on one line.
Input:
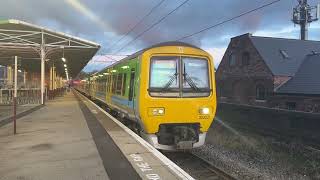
{"points": [[204, 110], [157, 111]]}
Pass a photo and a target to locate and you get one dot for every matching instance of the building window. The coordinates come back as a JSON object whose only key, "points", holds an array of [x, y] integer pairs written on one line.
{"points": [[221, 92], [291, 105], [232, 59], [284, 54], [245, 59], [260, 92]]}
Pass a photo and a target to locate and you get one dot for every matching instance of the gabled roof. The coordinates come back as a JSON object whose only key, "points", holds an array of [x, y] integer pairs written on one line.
{"points": [[306, 80], [284, 56]]}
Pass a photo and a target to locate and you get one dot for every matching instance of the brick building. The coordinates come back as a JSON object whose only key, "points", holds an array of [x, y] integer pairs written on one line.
{"points": [[271, 72]]}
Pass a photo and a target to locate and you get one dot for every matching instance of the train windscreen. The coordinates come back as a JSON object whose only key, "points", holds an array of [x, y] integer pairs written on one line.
{"points": [[179, 77]]}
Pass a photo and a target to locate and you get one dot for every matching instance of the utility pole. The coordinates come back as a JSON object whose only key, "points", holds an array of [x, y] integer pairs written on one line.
{"points": [[304, 14]]}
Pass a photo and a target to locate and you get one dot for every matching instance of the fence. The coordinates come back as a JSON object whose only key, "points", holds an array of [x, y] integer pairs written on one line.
{"points": [[24, 96]]}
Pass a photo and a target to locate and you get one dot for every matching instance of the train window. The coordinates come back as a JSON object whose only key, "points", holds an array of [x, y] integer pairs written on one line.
{"points": [[108, 83], [164, 72], [119, 84], [195, 73], [104, 86], [195, 77], [124, 84], [114, 78], [132, 75]]}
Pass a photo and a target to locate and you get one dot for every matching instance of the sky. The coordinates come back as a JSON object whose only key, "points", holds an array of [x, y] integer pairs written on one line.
{"points": [[106, 21]]}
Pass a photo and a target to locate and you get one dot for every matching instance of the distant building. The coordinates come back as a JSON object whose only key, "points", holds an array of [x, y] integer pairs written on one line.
{"points": [[271, 72]]}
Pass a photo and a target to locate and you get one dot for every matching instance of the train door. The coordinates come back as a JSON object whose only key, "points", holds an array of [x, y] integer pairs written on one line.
{"points": [[131, 89], [109, 86]]}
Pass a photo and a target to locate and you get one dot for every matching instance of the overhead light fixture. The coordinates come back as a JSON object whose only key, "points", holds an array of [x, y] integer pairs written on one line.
{"points": [[125, 67], [19, 70], [65, 65], [63, 59]]}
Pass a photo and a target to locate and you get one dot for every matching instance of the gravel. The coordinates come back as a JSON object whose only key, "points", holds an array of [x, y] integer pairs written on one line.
{"points": [[246, 155]]}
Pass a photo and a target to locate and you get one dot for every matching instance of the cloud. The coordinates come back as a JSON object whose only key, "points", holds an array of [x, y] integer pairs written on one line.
{"points": [[217, 54], [106, 21], [84, 10]]}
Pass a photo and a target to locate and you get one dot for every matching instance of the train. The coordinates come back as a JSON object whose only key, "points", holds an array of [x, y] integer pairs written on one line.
{"points": [[166, 93]]}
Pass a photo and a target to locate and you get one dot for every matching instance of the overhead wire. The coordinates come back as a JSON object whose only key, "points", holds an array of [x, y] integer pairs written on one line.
{"points": [[228, 20], [153, 25], [202, 30], [138, 23]]}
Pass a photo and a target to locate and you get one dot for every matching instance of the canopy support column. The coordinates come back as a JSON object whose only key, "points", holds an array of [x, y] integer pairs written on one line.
{"points": [[43, 56], [42, 74], [15, 94]]}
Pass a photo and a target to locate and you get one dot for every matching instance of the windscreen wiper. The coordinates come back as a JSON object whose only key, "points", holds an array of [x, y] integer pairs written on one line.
{"points": [[168, 84], [189, 79]]}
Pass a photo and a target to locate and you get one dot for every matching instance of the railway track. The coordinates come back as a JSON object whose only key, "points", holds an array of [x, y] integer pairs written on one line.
{"points": [[197, 167]]}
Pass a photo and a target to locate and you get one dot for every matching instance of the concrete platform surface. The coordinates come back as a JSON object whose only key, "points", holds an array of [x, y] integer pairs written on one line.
{"points": [[71, 138], [6, 111], [53, 142]]}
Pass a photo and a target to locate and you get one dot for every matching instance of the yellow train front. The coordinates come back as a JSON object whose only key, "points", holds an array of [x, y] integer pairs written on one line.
{"points": [[168, 92]]}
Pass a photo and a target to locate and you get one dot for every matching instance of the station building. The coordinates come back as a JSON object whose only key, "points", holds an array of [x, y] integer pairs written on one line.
{"points": [[271, 72]]}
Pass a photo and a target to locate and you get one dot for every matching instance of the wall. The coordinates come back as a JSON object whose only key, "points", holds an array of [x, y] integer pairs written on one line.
{"points": [[274, 122]]}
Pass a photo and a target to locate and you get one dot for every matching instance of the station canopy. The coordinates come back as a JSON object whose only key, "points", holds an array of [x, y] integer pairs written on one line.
{"points": [[25, 40]]}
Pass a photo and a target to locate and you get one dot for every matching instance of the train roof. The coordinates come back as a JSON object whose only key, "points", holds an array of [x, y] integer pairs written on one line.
{"points": [[170, 43]]}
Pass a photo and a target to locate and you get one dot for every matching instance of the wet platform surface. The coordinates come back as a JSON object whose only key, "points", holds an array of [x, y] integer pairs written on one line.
{"points": [[71, 138]]}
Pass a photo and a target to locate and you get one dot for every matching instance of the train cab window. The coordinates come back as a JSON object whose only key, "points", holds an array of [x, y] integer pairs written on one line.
{"points": [[164, 73], [195, 76], [165, 80]]}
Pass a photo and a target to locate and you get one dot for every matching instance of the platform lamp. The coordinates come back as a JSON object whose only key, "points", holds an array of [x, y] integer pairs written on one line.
{"points": [[63, 58]]}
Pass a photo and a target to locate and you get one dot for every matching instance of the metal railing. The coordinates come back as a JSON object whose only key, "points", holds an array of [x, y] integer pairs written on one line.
{"points": [[24, 96]]}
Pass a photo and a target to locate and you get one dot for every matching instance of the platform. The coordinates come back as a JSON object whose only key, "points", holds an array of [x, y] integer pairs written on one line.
{"points": [[72, 138]]}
